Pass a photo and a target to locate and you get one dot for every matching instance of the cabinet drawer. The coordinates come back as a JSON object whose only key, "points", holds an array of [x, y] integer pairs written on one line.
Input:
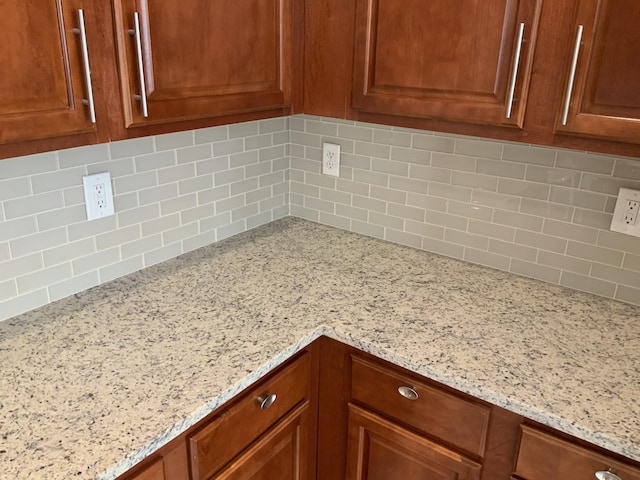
{"points": [[543, 456], [227, 434], [456, 421]]}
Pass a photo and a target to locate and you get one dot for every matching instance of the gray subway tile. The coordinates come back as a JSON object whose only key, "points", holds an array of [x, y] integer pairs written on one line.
{"points": [[370, 204], [455, 162], [405, 212], [195, 153], [627, 168], [497, 200], [355, 213], [389, 195], [57, 180], [619, 241], [392, 137], [529, 154], [24, 303], [586, 162], [441, 247], [587, 284], [172, 141], [411, 155], [616, 275], [64, 216], [466, 209], [177, 173], [120, 269], [594, 253], [589, 218], [355, 133], [117, 237], [180, 233], [390, 167], [533, 270], [474, 180], [628, 294], [425, 172], [433, 143], [563, 262], [131, 148], [96, 260], [243, 129], [162, 254], [577, 198], [192, 185], [33, 204], [523, 189], [570, 231], [20, 266], [211, 134], [29, 165], [500, 169], [138, 181], [403, 238], [117, 168], [375, 231], [541, 241], [20, 227], [39, 241], [478, 148], [488, 259], [467, 239], [513, 250], [518, 220], [228, 147], [546, 209], [425, 201], [157, 194], [73, 285], [75, 157], [14, 188], [553, 176], [43, 278], [492, 230], [631, 262], [424, 229], [606, 185]]}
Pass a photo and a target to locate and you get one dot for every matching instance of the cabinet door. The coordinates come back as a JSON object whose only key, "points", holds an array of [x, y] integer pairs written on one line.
{"points": [[601, 95], [380, 450], [280, 454], [191, 59], [461, 60], [42, 84]]}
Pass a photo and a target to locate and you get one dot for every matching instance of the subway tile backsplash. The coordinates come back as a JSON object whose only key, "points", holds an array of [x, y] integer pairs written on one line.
{"points": [[173, 193], [534, 211]]}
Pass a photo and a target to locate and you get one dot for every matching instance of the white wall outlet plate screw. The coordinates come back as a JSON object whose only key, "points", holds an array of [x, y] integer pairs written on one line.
{"points": [[98, 195], [625, 215], [331, 159]]}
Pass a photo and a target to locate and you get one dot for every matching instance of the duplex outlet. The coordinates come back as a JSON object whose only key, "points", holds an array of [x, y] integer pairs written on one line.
{"points": [[331, 159], [98, 195], [625, 215]]}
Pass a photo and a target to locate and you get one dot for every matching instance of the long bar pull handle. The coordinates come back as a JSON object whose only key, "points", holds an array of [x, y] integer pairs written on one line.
{"points": [[143, 87], [514, 71], [572, 75], [87, 68]]}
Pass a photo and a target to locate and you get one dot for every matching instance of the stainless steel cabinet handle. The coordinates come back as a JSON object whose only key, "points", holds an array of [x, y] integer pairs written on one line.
{"points": [[143, 87], [408, 393], [607, 475], [85, 62], [572, 75], [266, 401], [514, 71]]}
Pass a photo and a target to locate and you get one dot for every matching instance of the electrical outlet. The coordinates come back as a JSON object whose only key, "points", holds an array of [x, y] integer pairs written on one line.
{"points": [[98, 195], [625, 215], [331, 159]]}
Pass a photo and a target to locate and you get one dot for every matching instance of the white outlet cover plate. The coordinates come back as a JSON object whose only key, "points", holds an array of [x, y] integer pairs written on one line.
{"points": [[98, 195], [331, 159], [618, 224]]}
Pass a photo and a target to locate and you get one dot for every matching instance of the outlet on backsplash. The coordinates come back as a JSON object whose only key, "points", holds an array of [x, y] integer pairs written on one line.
{"points": [[625, 215]]}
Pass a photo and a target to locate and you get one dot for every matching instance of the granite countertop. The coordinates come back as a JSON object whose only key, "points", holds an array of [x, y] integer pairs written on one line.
{"points": [[94, 383]]}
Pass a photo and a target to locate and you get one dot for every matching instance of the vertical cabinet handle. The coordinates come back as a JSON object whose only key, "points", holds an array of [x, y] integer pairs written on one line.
{"points": [[514, 70], [572, 75], [607, 475], [85, 63], [143, 88]]}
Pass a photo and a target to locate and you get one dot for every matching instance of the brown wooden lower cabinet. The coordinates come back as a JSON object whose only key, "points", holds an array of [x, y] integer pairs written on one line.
{"points": [[340, 414], [382, 450]]}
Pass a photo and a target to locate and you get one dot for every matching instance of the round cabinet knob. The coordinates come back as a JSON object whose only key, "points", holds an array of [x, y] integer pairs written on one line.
{"points": [[607, 475], [408, 393], [266, 401]]}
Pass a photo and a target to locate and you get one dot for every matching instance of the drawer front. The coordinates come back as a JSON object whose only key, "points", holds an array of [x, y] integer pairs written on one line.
{"points": [[543, 456], [227, 434], [456, 421], [155, 471]]}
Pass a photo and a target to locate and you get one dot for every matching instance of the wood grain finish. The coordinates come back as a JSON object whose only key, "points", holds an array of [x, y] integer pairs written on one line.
{"points": [[381, 450], [543, 456], [606, 98], [221, 439], [450, 419], [442, 59], [280, 454], [42, 85], [205, 58]]}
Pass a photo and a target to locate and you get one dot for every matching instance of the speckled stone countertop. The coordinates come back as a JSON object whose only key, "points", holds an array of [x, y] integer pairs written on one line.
{"points": [[94, 383]]}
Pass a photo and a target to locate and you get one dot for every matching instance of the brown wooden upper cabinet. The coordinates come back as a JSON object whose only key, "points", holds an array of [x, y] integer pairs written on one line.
{"points": [[602, 88], [45, 84], [459, 60], [191, 59]]}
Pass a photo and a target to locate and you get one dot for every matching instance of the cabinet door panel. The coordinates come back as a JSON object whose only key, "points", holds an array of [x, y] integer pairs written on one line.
{"points": [[280, 454], [605, 99], [381, 450], [204, 58], [452, 60], [42, 85]]}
